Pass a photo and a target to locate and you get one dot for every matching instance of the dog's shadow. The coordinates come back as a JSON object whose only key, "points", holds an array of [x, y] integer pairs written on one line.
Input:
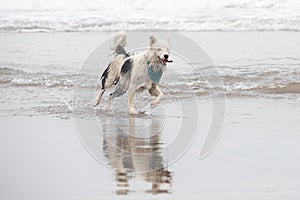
{"points": [[133, 147]]}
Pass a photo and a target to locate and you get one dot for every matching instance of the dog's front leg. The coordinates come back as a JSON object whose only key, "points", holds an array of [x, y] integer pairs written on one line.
{"points": [[131, 96], [155, 91]]}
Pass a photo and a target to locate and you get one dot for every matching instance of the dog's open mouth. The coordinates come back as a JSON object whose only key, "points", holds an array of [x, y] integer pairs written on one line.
{"points": [[164, 61]]}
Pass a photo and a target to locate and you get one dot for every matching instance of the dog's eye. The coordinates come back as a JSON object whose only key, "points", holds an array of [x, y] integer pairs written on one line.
{"points": [[159, 49]]}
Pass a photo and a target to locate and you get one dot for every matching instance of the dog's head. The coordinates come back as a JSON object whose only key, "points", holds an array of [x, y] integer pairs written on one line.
{"points": [[161, 49]]}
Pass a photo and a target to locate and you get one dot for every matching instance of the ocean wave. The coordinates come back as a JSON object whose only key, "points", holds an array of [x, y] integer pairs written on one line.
{"points": [[267, 82], [271, 88], [20, 78], [199, 20], [165, 5]]}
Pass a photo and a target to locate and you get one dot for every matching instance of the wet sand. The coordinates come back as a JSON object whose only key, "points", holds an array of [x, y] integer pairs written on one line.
{"points": [[43, 156], [256, 158]]}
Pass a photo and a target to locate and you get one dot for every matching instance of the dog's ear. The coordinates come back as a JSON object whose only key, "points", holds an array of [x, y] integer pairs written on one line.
{"points": [[152, 40]]}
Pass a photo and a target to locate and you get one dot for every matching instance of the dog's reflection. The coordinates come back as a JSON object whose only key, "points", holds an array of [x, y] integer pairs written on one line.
{"points": [[136, 155]]}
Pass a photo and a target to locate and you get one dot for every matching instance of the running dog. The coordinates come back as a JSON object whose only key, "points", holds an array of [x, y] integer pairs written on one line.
{"points": [[140, 72]]}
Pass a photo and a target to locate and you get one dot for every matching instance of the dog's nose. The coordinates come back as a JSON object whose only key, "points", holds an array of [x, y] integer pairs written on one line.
{"points": [[166, 56]]}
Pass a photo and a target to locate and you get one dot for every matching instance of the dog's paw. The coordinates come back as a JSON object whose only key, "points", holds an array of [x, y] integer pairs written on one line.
{"points": [[154, 104], [96, 103], [133, 112]]}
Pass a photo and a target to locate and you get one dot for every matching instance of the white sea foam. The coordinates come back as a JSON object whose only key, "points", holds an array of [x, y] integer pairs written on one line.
{"points": [[190, 15], [234, 82], [143, 4]]}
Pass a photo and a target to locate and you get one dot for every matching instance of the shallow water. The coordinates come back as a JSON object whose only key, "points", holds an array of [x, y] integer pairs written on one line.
{"points": [[39, 67], [43, 157]]}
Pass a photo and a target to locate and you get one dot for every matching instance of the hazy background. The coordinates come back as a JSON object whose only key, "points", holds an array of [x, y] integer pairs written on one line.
{"points": [[190, 15], [143, 4]]}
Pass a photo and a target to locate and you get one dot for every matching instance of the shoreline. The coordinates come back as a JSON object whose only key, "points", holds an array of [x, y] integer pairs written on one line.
{"points": [[255, 153], [43, 158]]}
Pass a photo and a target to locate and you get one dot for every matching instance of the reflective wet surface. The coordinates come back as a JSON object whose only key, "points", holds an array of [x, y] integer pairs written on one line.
{"points": [[135, 158], [43, 158]]}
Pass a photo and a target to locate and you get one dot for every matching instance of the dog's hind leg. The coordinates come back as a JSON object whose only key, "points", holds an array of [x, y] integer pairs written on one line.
{"points": [[121, 88], [98, 100], [124, 80], [104, 84], [155, 91]]}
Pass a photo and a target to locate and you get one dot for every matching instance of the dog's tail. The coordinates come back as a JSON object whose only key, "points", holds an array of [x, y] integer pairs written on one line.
{"points": [[120, 41]]}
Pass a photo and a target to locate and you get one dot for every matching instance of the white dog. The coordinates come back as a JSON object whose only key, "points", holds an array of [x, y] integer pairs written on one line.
{"points": [[142, 71]]}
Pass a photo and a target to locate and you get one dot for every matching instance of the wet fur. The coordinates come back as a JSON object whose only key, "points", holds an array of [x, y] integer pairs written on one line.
{"points": [[130, 73], [111, 74], [134, 76]]}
